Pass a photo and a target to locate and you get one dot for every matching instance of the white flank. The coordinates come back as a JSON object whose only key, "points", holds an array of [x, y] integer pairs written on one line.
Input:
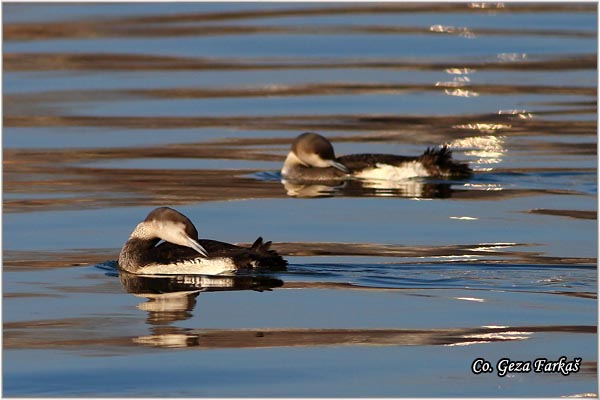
{"points": [[412, 169], [206, 266]]}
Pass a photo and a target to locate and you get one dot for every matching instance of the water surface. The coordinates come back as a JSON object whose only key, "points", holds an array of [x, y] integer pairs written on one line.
{"points": [[393, 288]]}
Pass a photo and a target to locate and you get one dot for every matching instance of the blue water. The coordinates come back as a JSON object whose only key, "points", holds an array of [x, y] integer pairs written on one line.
{"points": [[391, 291]]}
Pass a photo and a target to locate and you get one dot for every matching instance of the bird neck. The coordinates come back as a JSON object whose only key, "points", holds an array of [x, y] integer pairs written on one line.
{"points": [[291, 161], [135, 250]]}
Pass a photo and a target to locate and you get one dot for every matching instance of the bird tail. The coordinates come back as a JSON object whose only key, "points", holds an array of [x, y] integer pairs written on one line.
{"points": [[439, 161], [265, 258]]}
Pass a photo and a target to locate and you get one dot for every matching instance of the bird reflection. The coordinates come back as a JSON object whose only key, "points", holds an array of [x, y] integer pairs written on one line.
{"points": [[368, 188], [173, 298]]}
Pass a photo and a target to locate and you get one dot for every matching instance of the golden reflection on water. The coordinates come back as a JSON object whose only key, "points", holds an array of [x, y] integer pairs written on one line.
{"points": [[523, 114], [512, 57], [458, 82], [460, 71], [483, 127], [460, 31], [461, 93], [474, 299], [489, 5], [490, 149], [493, 337]]}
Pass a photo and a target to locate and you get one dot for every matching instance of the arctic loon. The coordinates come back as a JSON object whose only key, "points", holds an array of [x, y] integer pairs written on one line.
{"points": [[312, 159], [183, 253]]}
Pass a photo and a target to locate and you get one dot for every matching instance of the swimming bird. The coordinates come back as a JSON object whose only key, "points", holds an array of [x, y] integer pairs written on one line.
{"points": [[312, 159], [183, 253]]}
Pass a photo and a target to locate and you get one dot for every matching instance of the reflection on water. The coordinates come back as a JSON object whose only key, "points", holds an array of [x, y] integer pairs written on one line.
{"points": [[496, 253], [210, 339], [72, 171], [369, 188], [172, 298], [156, 285], [489, 149], [113, 109]]}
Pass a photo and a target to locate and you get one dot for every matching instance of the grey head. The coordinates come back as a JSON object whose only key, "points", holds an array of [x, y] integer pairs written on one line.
{"points": [[174, 227], [314, 150]]}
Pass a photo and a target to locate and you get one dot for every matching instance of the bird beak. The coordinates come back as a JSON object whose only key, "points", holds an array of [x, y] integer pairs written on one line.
{"points": [[339, 166], [196, 246]]}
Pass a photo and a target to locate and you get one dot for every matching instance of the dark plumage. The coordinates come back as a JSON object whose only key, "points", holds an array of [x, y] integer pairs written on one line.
{"points": [[257, 256], [437, 161], [312, 159], [182, 252]]}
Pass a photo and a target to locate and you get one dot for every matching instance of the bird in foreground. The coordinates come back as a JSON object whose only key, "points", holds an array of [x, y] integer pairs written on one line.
{"points": [[312, 159], [183, 253]]}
